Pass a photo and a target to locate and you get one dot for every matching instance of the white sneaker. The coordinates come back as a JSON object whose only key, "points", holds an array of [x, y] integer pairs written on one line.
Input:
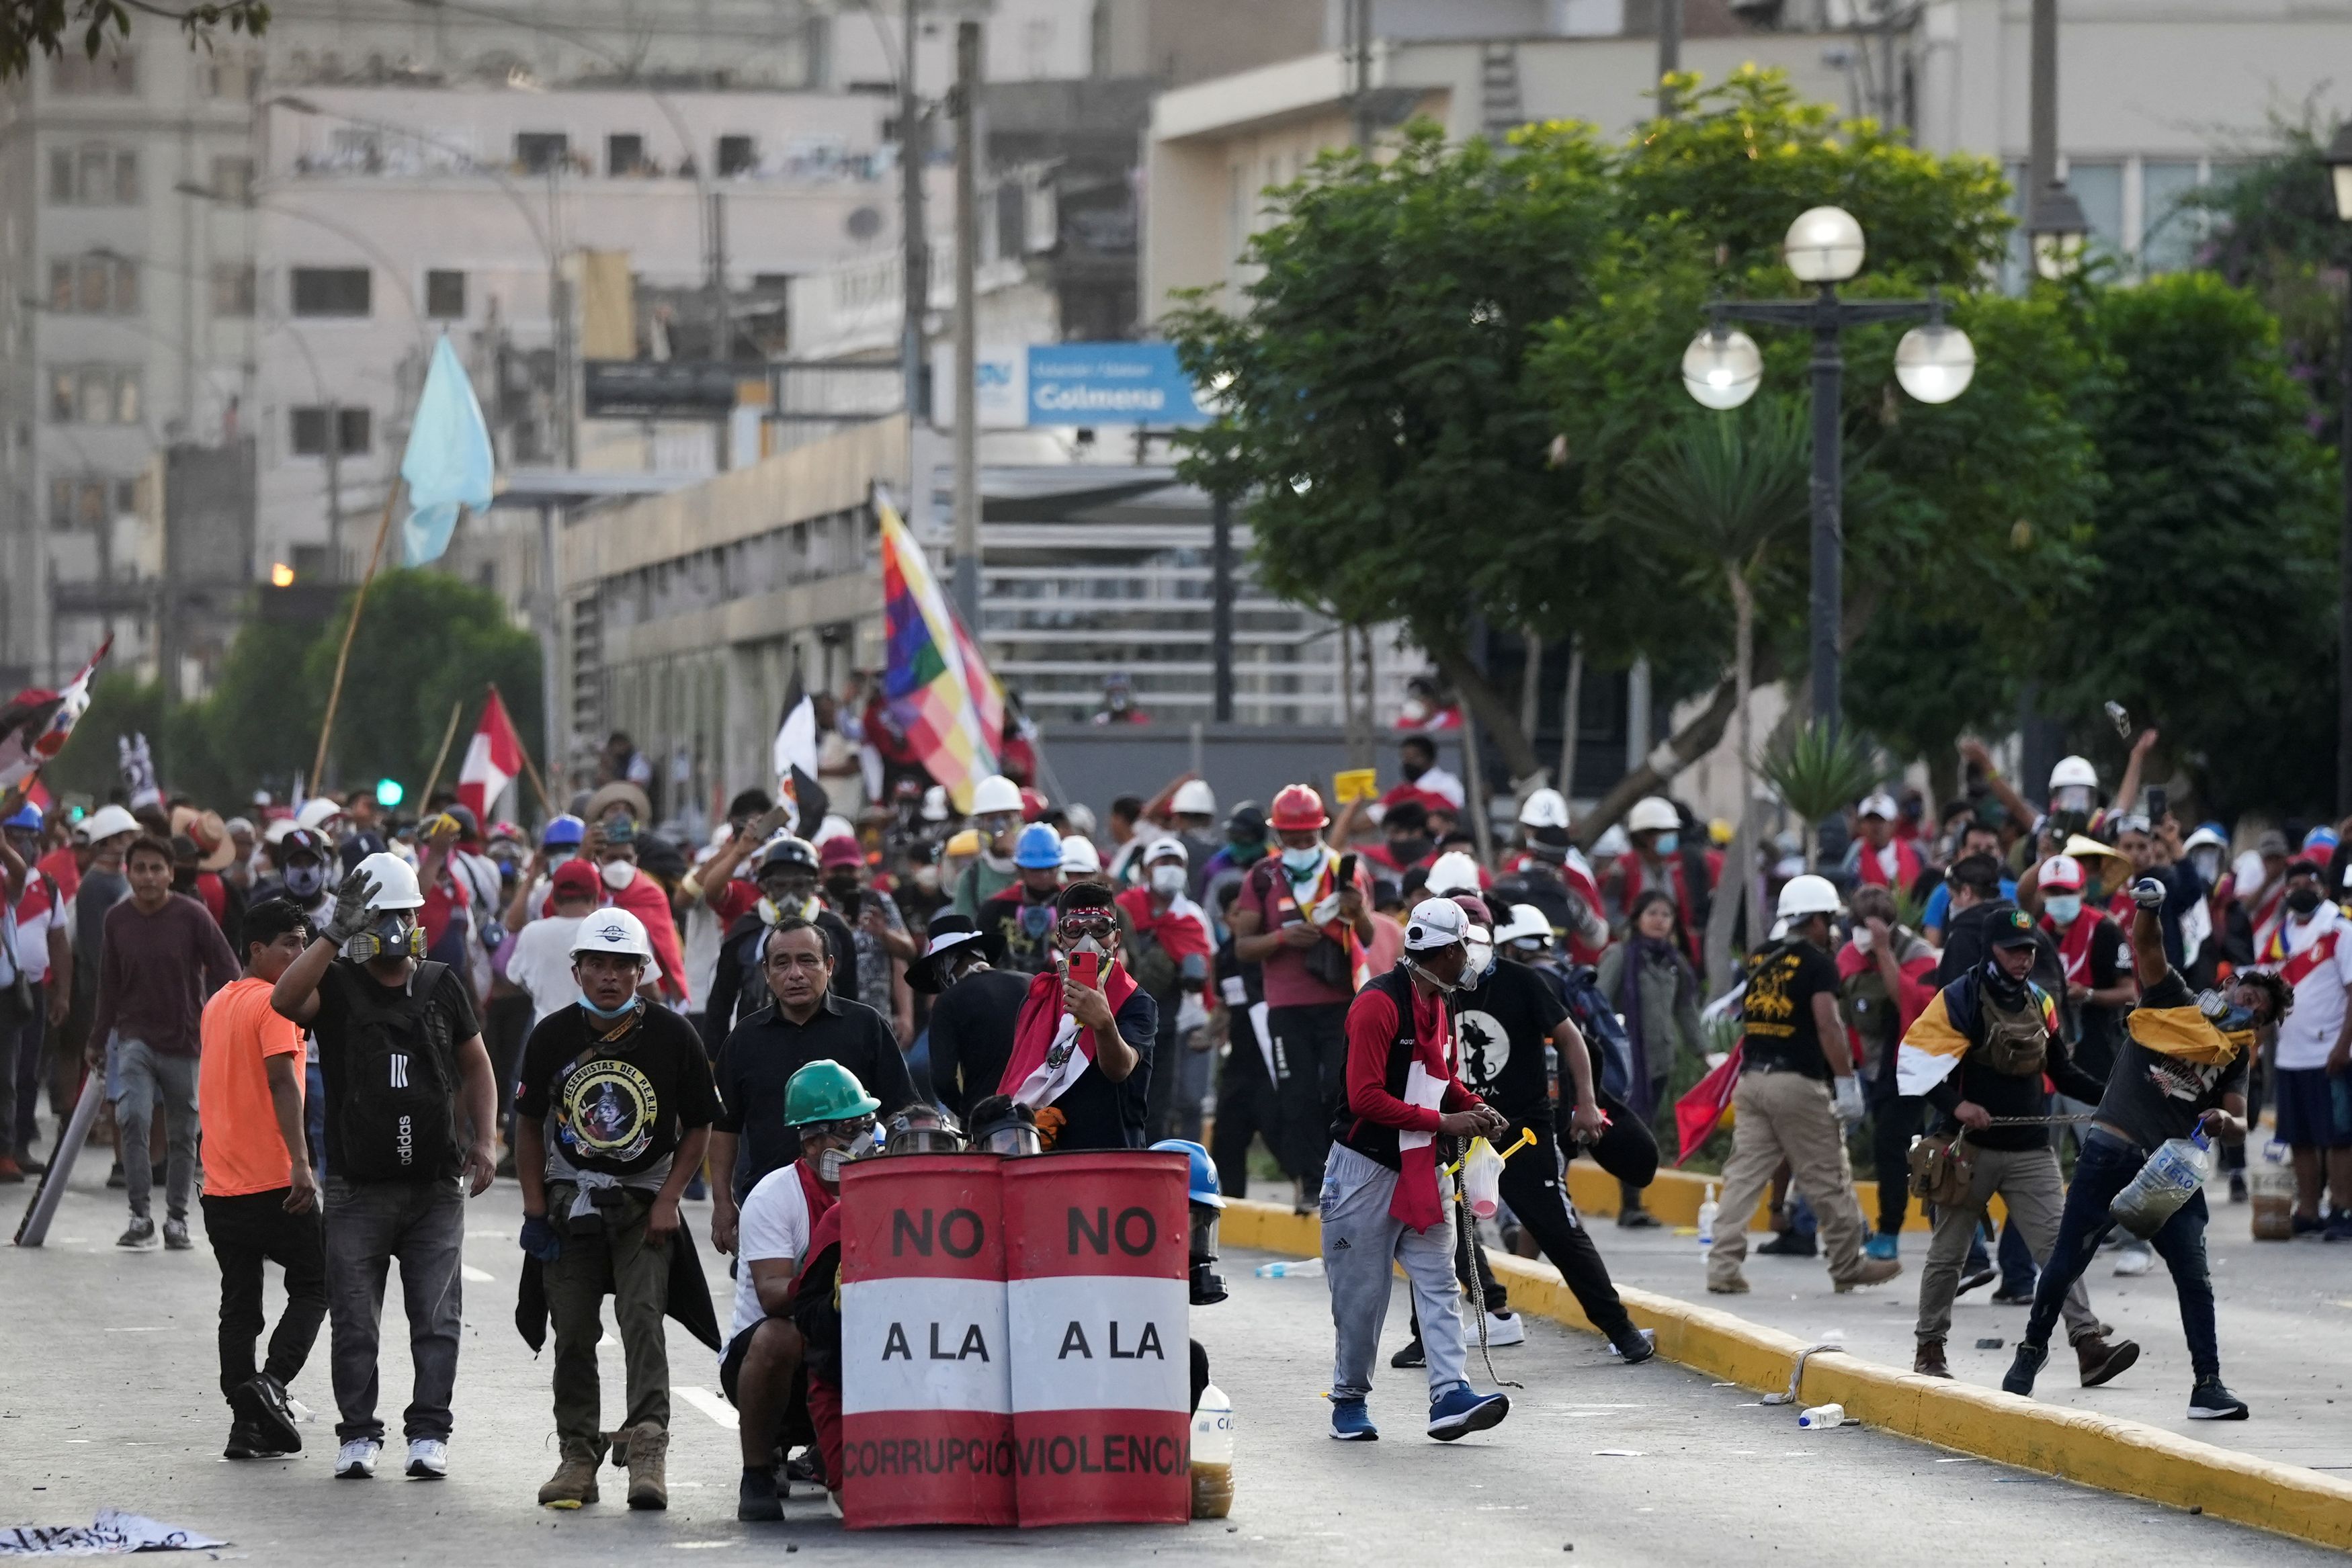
{"points": [[1505, 1328], [428, 1459], [355, 1460], [2133, 1257]]}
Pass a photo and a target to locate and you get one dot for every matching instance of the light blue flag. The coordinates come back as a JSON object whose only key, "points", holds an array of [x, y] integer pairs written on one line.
{"points": [[448, 463]]}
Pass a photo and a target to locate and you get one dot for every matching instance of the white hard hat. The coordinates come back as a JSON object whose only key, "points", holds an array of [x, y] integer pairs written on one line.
{"points": [[317, 813], [995, 794], [1612, 842], [2074, 770], [1526, 921], [1452, 873], [612, 931], [1435, 923], [1079, 856], [278, 827], [2204, 836], [1194, 799], [935, 803], [1807, 896], [395, 881], [1164, 848], [833, 827], [1653, 813], [1878, 803], [105, 823], [1543, 808]]}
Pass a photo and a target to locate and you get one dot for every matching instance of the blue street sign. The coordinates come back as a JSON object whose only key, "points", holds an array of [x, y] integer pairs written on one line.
{"points": [[1109, 383]]}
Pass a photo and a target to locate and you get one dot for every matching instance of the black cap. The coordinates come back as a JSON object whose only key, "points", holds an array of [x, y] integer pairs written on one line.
{"points": [[2013, 928]]}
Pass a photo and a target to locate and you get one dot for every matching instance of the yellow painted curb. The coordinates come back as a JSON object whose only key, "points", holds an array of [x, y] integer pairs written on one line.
{"points": [[1675, 1197], [2103, 1451]]}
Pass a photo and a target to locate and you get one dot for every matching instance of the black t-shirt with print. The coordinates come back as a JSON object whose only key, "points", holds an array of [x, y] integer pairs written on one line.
{"points": [[618, 1106], [2155, 1098], [1782, 981], [1502, 1029]]}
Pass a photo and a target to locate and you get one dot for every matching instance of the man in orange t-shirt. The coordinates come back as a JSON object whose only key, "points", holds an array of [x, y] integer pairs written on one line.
{"points": [[261, 1199]]}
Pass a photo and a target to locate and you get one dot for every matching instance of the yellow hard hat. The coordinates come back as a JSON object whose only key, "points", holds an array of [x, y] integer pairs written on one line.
{"points": [[966, 843]]}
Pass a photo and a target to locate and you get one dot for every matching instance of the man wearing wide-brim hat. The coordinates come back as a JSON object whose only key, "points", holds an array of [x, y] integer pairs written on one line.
{"points": [[977, 1004]]}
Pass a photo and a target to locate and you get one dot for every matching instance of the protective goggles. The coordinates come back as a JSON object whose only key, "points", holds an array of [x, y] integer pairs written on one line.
{"points": [[848, 1130], [1099, 924]]}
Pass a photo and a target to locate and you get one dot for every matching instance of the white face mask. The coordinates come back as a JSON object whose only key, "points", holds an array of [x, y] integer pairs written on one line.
{"points": [[2063, 908], [1863, 938], [1168, 881], [618, 874]]}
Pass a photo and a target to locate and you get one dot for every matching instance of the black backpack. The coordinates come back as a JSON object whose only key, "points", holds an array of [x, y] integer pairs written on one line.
{"points": [[397, 1119]]}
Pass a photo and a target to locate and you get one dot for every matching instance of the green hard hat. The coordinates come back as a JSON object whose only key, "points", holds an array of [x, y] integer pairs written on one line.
{"points": [[825, 1092]]}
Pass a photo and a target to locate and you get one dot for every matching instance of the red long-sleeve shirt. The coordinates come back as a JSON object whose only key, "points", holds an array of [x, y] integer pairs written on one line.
{"points": [[1371, 1031]]}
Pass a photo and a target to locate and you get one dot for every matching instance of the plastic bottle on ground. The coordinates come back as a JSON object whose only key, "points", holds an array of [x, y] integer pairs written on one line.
{"points": [[1299, 1268], [1707, 1214], [1820, 1418], [1212, 1455]]}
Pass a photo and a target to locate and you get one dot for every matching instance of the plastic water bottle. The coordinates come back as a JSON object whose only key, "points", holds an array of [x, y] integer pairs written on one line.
{"points": [[1301, 1268], [2176, 1170], [1820, 1418], [1707, 1217], [1212, 1455]]}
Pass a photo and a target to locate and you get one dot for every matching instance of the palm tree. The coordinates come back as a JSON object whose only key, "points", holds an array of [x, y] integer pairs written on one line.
{"points": [[1725, 495], [1818, 772]]}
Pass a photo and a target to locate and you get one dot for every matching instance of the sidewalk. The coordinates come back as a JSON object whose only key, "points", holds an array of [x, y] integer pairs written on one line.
{"points": [[2284, 1310]]}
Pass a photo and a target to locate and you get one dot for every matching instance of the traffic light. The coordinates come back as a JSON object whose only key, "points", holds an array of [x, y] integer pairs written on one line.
{"points": [[389, 794]]}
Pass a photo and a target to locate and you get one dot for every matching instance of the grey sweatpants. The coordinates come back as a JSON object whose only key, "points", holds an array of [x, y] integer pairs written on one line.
{"points": [[1359, 1242]]}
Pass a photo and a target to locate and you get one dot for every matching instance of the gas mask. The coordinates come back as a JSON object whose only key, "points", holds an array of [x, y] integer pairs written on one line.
{"points": [[1168, 879], [2224, 1014], [1093, 931], [2071, 800], [304, 879], [394, 934], [1208, 1286], [830, 1163]]}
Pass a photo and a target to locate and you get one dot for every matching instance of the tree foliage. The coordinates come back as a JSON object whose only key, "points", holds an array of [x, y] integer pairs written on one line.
{"points": [[33, 27]]}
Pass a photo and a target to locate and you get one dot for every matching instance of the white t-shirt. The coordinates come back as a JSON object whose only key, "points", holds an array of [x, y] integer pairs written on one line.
{"points": [[542, 964], [2309, 1031], [774, 1224]]}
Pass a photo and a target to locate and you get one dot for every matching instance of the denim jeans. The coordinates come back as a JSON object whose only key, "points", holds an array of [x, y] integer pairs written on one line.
{"points": [[152, 1081], [247, 1230], [369, 1224], [2107, 1167]]}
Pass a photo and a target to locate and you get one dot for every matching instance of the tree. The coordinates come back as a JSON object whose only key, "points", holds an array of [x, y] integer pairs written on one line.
{"points": [[30, 28]]}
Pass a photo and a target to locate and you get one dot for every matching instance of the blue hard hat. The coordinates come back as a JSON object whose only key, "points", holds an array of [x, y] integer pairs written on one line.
{"points": [[565, 830], [1205, 1188], [1039, 847], [28, 817]]}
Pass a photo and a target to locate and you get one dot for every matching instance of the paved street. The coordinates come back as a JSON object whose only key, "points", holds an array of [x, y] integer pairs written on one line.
{"points": [[2284, 1309], [110, 1402]]}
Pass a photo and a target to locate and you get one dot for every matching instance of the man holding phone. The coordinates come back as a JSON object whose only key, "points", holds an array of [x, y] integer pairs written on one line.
{"points": [[1081, 1044]]}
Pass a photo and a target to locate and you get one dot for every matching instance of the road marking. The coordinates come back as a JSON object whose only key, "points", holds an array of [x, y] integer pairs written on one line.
{"points": [[718, 1410], [486, 1235], [476, 1276], [147, 1328]]}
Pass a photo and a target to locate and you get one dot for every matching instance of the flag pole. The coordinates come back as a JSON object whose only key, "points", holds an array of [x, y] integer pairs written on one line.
{"points": [[523, 748], [350, 626], [456, 711]]}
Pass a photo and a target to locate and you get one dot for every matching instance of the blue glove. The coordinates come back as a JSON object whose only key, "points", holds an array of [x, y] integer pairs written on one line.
{"points": [[540, 1240]]}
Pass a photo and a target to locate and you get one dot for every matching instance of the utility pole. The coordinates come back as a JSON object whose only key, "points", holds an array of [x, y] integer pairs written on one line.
{"points": [[2042, 125], [1220, 605], [967, 343], [917, 252], [335, 490], [1670, 52]]}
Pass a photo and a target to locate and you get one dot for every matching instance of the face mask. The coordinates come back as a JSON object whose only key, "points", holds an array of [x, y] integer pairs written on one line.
{"points": [[1303, 862], [1412, 770], [607, 1014], [304, 880], [828, 1166], [927, 877], [1168, 881], [618, 874], [1407, 851], [2303, 899], [1481, 962], [1863, 938], [1669, 842], [2063, 908], [2208, 861], [2000, 986], [1414, 710]]}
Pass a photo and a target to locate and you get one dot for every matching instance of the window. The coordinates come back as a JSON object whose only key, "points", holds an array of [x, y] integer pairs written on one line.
{"points": [[79, 501], [625, 155], [2100, 188], [330, 290], [93, 176], [74, 72], [538, 151], [94, 395], [233, 292], [311, 432], [231, 76], [233, 179], [445, 296], [94, 285], [736, 155], [2170, 232]]}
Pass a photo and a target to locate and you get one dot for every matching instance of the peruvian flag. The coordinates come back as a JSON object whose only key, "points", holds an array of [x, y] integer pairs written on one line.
{"points": [[493, 759], [34, 723]]}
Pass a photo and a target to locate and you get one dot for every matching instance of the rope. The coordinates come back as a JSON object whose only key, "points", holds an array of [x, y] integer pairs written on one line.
{"points": [[1797, 1373]]}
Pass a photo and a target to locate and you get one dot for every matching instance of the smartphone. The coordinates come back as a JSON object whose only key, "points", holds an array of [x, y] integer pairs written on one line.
{"points": [[1085, 968], [2160, 803], [1347, 877]]}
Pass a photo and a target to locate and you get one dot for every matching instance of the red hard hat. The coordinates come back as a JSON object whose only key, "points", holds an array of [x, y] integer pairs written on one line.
{"points": [[1034, 805], [1297, 809]]}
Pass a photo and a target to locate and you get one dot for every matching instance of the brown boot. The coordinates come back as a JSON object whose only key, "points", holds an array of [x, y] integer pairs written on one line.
{"points": [[1870, 1271], [574, 1483], [2101, 1362], [1930, 1361], [649, 1451]]}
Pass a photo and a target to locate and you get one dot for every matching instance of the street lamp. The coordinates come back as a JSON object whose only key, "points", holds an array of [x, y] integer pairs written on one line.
{"points": [[2058, 231], [1721, 369], [2339, 159]]}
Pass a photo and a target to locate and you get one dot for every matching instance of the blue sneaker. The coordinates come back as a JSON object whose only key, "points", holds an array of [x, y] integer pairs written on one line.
{"points": [[1883, 1245], [1458, 1411], [1351, 1423]]}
